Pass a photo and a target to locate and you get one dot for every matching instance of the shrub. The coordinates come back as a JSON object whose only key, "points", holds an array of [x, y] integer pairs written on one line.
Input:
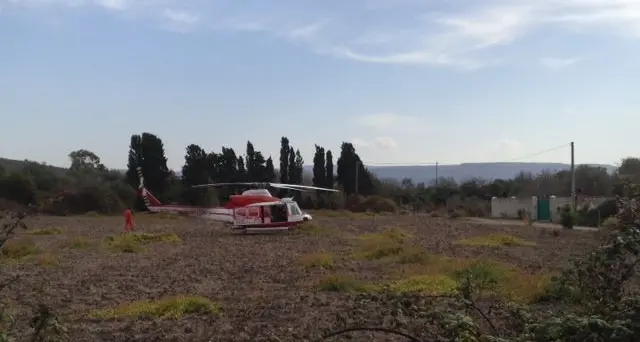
{"points": [[568, 218]]}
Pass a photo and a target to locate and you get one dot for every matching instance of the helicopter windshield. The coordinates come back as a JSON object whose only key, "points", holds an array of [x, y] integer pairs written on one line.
{"points": [[294, 209]]}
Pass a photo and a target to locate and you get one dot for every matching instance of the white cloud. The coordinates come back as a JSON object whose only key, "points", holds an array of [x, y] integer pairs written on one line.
{"points": [[388, 121], [462, 34], [378, 143], [179, 16], [385, 143], [558, 63]]}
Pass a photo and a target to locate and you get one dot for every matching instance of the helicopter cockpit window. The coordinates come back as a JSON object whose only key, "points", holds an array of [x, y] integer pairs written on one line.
{"points": [[294, 209]]}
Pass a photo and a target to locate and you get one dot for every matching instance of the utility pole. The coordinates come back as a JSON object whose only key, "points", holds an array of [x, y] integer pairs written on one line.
{"points": [[573, 178], [436, 175], [357, 167]]}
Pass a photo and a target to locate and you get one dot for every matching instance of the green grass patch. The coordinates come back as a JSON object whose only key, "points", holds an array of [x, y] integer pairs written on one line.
{"points": [[19, 248], [171, 307], [322, 260], [45, 231], [390, 242], [134, 242], [436, 274], [76, 243], [437, 284], [494, 240]]}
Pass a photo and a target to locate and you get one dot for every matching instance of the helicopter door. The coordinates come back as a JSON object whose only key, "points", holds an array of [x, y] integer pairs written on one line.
{"points": [[279, 213]]}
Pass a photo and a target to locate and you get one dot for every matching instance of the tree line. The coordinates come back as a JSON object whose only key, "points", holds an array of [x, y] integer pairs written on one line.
{"points": [[88, 185]]}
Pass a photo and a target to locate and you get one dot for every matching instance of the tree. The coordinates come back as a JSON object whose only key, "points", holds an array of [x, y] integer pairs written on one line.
{"points": [[291, 174], [195, 171], [41, 175], [250, 156], [242, 171], [284, 160], [269, 171], [84, 161], [319, 173], [329, 177], [147, 151], [346, 170], [18, 188]]}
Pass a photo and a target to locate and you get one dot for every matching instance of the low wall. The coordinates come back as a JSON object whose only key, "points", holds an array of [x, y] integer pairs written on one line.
{"points": [[556, 205], [509, 207]]}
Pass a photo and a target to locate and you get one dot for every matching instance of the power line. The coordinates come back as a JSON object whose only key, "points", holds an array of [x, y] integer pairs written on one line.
{"points": [[437, 163]]}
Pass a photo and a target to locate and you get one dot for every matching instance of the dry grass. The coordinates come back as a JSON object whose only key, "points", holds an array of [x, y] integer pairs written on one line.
{"points": [[75, 242], [134, 242], [266, 283], [47, 260], [19, 248], [45, 231], [171, 307], [321, 259], [494, 240]]}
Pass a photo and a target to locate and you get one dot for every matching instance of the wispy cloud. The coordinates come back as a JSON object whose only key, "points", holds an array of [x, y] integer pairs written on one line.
{"points": [[462, 34], [558, 63], [379, 143], [388, 121]]}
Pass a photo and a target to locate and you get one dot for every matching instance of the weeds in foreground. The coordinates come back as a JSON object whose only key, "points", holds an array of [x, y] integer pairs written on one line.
{"points": [[19, 248], [170, 307], [46, 231], [134, 242], [593, 301], [323, 260], [75, 243], [495, 240], [44, 323]]}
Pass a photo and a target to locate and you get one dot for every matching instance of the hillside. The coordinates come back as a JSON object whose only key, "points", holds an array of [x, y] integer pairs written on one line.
{"points": [[418, 174], [461, 172]]}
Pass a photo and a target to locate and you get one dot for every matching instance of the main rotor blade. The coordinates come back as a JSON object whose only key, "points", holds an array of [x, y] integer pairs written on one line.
{"points": [[300, 187], [285, 186], [222, 184]]}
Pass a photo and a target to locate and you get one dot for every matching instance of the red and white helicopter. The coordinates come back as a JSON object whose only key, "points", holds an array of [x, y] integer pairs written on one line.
{"points": [[254, 209]]}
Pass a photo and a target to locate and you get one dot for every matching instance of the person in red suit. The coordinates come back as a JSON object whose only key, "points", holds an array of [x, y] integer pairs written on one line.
{"points": [[128, 220]]}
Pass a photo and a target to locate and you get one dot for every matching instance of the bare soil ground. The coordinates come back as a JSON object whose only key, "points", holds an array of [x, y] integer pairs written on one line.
{"points": [[257, 280]]}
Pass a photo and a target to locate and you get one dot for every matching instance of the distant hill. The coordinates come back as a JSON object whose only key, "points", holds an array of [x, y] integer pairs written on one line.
{"points": [[459, 172], [465, 171]]}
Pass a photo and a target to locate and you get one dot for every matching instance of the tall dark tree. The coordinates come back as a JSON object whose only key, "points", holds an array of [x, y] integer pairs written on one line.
{"points": [[284, 160], [242, 171], [228, 165], [249, 158], [298, 167], [269, 171], [195, 171], [348, 162], [328, 175], [292, 176], [259, 168], [214, 167], [147, 151], [319, 174]]}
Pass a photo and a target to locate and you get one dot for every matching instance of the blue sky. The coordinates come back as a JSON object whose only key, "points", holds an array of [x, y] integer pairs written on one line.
{"points": [[408, 81]]}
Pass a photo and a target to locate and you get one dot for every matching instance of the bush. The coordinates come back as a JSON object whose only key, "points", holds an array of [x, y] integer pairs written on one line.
{"points": [[568, 218], [378, 204]]}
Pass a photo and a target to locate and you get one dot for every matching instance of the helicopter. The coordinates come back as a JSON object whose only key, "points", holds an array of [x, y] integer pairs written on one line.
{"points": [[253, 209]]}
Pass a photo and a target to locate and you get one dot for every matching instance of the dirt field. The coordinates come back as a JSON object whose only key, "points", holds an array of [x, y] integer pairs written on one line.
{"points": [[265, 285]]}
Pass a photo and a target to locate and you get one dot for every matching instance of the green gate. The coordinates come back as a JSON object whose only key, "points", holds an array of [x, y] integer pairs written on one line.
{"points": [[544, 209]]}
